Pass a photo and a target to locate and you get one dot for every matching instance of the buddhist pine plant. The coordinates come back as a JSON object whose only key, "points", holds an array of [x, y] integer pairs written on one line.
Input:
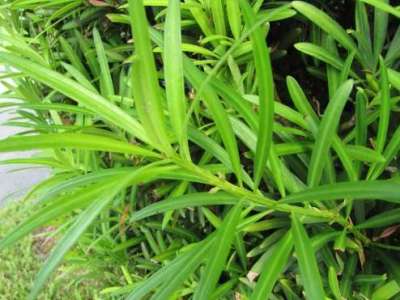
{"points": [[190, 165]]}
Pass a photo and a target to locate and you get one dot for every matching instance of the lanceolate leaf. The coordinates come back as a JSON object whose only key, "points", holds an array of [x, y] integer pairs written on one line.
{"points": [[384, 110], [382, 5], [106, 82], [273, 267], [326, 131], [389, 154], [167, 272], [233, 12], [220, 251], [171, 285], [266, 93], [184, 201], [381, 220], [309, 272], [74, 90], [326, 23], [174, 83], [145, 80], [387, 190], [72, 140], [196, 77]]}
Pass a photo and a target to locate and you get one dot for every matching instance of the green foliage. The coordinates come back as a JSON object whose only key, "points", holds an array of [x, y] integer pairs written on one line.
{"points": [[208, 149]]}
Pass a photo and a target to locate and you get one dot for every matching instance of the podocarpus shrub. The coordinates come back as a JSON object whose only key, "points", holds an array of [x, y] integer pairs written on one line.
{"points": [[230, 149]]}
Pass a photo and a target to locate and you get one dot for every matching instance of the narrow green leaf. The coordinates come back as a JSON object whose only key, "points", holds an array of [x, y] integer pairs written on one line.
{"points": [[272, 268], [266, 93], [387, 291], [333, 283], [361, 118], [320, 53], [220, 251], [71, 140], [79, 93], [172, 284], [73, 57], [326, 131], [391, 150], [234, 17], [326, 23], [106, 83], [384, 6], [384, 109], [173, 73], [146, 89], [299, 99], [220, 116], [394, 78], [381, 21], [384, 219], [305, 254], [387, 190], [184, 201], [169, 271], [218, 17], [364, 154], [348, 275], [363, 36]]}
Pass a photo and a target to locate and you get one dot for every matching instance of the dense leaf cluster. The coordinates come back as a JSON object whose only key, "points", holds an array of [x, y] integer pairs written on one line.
{"points": [[211, 149]]}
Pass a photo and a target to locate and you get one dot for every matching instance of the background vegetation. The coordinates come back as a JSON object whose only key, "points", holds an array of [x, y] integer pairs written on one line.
{"points": [[207, 149]]}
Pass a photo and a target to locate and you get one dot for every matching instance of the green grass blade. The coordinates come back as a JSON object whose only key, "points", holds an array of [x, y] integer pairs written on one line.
{"points": [[308, 266], [266, 93], [218, 254], [326, 131], [272, 268], [174, 82]]}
